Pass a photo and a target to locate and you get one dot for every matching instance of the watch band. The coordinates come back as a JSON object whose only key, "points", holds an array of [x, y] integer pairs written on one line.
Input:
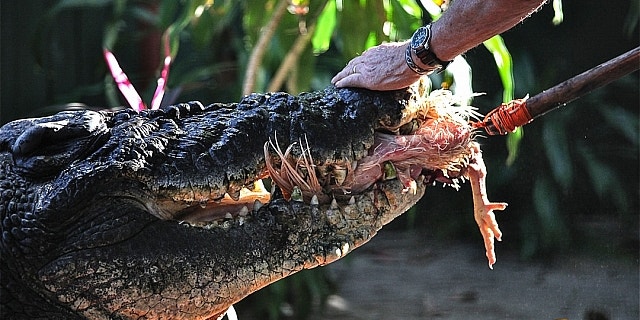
{"points": [[412, 65]]}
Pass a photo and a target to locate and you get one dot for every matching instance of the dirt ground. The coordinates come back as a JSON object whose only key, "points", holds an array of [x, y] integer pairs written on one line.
{"points": [[400, 275]]}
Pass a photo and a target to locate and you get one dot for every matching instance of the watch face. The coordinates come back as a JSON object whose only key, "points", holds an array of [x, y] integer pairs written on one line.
{"points": [[419, 38]]}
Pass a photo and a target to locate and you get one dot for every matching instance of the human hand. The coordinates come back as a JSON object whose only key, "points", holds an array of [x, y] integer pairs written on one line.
{"points": [[381, 68]]}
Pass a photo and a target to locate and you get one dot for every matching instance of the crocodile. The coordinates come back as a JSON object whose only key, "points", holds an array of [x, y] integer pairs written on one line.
{"points": [[162, 213]]}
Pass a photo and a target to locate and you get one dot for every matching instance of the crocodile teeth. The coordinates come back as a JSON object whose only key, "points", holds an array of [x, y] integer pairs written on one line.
{"points": [[228, 215], [352, 200], [257, 205], [345, 248], [314, 200], [235, 195], [273, 188], [340, 174], [244, 211], [334, 204]]}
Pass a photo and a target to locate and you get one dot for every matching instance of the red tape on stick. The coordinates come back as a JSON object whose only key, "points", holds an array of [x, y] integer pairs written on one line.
{"points": [[507, 117]]}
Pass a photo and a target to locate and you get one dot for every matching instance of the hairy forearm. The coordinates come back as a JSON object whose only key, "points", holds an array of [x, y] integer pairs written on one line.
{"points": [[467, 23]]}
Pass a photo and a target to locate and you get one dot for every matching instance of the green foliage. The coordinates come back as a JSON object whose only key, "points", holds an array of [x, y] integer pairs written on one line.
{"points": [[577, 171], [558, 13], [502, 57], [324, 31], [504, 63]]}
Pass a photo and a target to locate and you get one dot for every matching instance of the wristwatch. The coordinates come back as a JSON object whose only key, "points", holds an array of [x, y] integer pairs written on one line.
{"points": [[420, 45]]}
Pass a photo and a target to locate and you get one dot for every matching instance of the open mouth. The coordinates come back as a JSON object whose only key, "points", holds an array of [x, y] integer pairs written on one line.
{"points": [[433, 144]]}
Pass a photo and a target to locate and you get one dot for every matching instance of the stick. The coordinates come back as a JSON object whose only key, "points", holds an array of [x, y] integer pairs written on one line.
{"points": [[583, 83], [508, 116]]}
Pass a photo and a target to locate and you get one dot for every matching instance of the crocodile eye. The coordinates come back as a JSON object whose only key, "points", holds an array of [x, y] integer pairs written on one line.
{"points": [[44, 146]]}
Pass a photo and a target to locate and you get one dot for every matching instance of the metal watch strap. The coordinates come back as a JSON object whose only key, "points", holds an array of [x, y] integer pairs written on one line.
{"points": [[412, 65]]}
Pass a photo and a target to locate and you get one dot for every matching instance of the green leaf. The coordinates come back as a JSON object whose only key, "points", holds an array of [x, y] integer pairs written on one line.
{"points": [[558, 15], [77, 4], [301, 75], [557, 151], [631, 20], [622, 121], [355, 36], [604, 178], [458, 75], [111, 32], [405, 17], [513, 145], [167, 13], [553, 229], [502, 57], [203, 27], [324, 28]]}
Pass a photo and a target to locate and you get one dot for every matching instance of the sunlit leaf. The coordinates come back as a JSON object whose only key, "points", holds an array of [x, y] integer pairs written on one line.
{"points": [[324, 28], [405, 17], [433, 7], [513, 145], [409, 8], [461, 72], [502, 57], [558, 15]]}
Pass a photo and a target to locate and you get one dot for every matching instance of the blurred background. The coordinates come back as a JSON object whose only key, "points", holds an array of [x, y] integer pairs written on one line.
{"points": [[570, 178]]}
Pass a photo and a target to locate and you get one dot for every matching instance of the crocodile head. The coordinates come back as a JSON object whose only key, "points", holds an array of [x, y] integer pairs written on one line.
{"points": [[157, 214]]}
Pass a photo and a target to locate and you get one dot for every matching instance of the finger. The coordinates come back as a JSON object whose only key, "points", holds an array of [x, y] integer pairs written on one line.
{"points": [[353, 80], [348, 70], [341, 75]]}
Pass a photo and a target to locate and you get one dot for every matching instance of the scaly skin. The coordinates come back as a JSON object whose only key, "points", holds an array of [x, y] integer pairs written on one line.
{"points": [[125, 215]]}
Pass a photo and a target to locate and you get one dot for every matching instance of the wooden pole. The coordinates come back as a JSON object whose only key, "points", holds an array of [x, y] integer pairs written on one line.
{"points": [[583, 83]]}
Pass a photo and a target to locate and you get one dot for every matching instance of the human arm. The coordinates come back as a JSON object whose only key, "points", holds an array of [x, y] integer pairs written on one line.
{"points": [[466, 24]]}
